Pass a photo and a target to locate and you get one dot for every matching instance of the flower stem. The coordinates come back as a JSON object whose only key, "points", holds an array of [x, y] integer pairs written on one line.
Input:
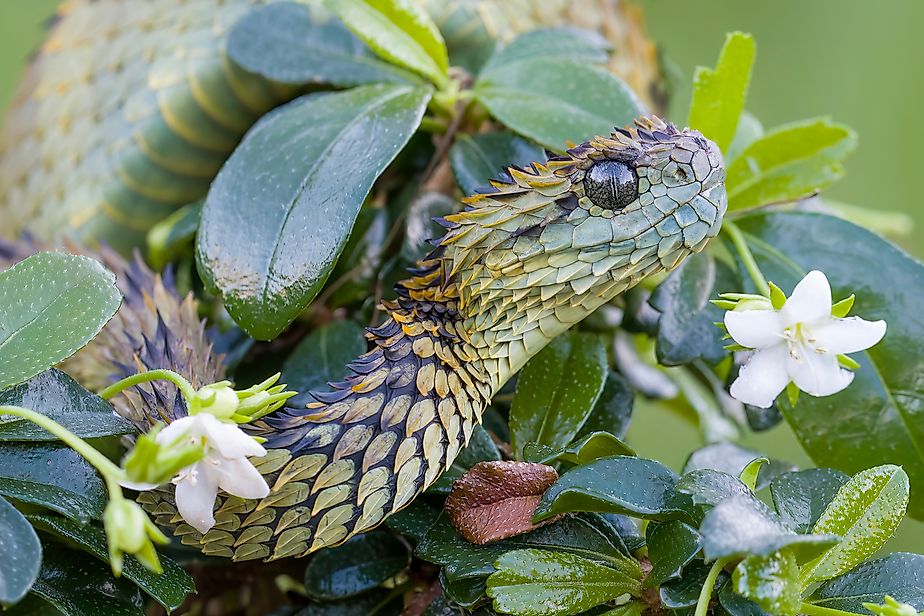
{"points": [[810, 609], [702, 605], [145, 377], [747, 258]]}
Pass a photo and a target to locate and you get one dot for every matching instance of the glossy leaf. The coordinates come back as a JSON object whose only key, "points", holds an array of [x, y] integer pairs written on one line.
{"points": [[719, 94], [477, 159], [743, 526], [416, 519], [323, 355], [557, 390], [629, 529], [556, 101], [307, 166], [51, 305], [800, 497], [360, 564], [562, 42], [613, 410], [709, 487], [56, 395], [686, 327], [879, 419], [76, 586], [899, 575], [174, 236], [733, 459], [632, 486], [420, 227], [544, 583], [736, 605], [788, 163], [399, 31], [671, 547], [169, 588], [292, 43], [480, 448], [20, 554], [865, 512], [54, 476], [584, 450], [684, 592], [771, 581]]}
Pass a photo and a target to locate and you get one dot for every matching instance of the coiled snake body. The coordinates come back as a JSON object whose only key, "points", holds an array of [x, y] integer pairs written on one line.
{"points": [[527, 259]]}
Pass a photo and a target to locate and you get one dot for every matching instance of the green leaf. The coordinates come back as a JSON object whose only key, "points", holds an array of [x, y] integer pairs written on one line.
{"points": [[865, 512], [632, 486], [544, 583], [399, 31], [671, 547], [556, 101], [305, 166], [733, 459], [584, 450], [57, 396], [78, 586], [480, 448], [379, 602], [613, 410], [51, 305], [420, 226], [899, 575], [169, 588], [415, 520], [885, 424], [20, 554], [557, 390], [801, 497], [54, 476], [552, 43], [748, 476], [788, 163], [719, 94], [292, 43], [174, 236], [360, 564], [743, 526], [736, 605], [684, 592], [709, 487], [477, 159], [771, 581], [323, 355], [686, 327], [749, 130]]}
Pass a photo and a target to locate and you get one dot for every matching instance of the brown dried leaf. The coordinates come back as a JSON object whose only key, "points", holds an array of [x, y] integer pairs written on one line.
{"points": [[495, 500]]}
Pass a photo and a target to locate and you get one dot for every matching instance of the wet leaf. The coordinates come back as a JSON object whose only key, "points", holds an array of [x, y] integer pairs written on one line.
{"points": [[51, 305], [719, 94], [292, 43], [57, 396], [556, 101], [584, 450], [788, 163], [415, 520], [314, 161], [557, 390], [495, 500], [360, 564], [169, 588], [708, 488], [20, 554], [613, 410], [800, 497], [399, 31], [480, 448], [736, 605], [879, 419], [544, 583], [477, 159], [323, 355], [772, 582], [743, 526], [575, 43], [865, 512], [684, 592], [632, 486], [671, 547], [733, 459], [899, 575]]}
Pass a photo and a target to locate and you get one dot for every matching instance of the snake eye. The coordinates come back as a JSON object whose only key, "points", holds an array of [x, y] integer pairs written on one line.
{"points": [[611, 184]]}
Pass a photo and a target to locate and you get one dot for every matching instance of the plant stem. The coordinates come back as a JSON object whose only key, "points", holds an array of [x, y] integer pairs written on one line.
{"points": [[750, 264], [702, 605], [145, 377], [810, 609]]}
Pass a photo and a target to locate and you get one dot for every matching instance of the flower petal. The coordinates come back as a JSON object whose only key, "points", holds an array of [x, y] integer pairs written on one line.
{"points": [[138, 486], [176, 429], [762, 378], [195, 499], [817, 374], [231, 441], [239, 477], [754, 329], [848, 335], [810, 300]]}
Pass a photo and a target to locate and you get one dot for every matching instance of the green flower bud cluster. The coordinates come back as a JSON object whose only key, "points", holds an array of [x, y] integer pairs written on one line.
{"points": [[243, 406], [129, 530], [891, 607]]}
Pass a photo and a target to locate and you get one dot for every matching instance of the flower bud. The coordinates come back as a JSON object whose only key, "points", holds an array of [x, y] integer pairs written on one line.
{"points": [[754, 303], [152, 463], [891, 607], [219, 399], [130, 531]]}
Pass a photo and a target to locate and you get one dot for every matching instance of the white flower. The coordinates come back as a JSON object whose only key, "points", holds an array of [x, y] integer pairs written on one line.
{"points": [[799, 343], [225, 465]]}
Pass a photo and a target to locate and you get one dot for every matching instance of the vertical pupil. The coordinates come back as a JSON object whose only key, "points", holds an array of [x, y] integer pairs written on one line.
{"points": [[611, 184]]}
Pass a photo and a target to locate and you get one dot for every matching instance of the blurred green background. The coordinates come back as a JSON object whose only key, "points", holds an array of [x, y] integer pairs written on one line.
{"points": [[860, 62]]}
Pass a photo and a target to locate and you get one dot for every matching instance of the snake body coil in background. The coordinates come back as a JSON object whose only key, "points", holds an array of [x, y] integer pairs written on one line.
{"points": [[527, 259]]}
